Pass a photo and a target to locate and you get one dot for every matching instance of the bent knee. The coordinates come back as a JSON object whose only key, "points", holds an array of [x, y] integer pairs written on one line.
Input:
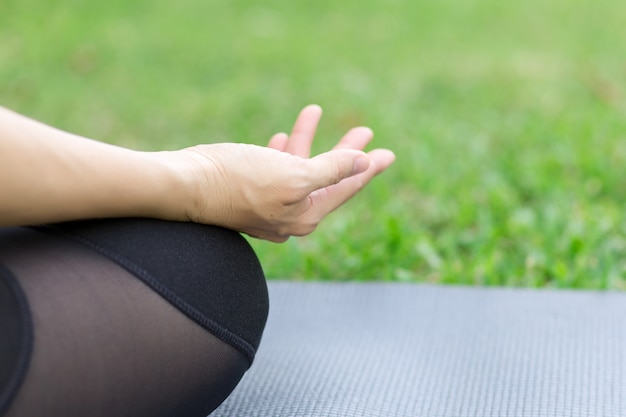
{"points": [[209, 273]]}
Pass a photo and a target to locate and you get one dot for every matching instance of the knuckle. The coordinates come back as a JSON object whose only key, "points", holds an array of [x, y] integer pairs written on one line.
{"points": [[335, 173]]}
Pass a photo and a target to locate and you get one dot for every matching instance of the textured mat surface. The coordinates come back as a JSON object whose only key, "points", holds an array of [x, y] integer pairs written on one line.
{"points": [[391, 350]]}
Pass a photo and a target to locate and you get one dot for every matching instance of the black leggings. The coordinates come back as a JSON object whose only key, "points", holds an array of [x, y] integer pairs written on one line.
{"points": [[125, 317]]}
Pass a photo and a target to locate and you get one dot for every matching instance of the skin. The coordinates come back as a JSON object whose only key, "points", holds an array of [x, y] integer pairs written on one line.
{"points": [[271, 193]]}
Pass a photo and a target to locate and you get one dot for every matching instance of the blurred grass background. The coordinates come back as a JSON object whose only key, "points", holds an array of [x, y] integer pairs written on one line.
{"points": [[508, 118]]}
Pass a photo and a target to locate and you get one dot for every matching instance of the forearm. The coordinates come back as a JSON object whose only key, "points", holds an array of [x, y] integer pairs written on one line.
{"points": [[48, 175]]}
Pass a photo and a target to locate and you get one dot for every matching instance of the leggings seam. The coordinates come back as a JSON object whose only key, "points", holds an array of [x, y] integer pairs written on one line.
{"points": [[15, 383], [212, 326]]}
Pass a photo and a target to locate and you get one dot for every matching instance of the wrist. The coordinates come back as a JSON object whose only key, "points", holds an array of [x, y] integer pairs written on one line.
{"points": [[173, 187]]}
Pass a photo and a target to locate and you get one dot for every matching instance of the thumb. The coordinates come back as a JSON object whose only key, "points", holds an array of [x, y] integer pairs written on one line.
{"points": [[331, 167]]}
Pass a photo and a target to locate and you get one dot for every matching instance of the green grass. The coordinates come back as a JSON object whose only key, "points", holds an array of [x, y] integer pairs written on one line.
{"points": [[508, 118]]}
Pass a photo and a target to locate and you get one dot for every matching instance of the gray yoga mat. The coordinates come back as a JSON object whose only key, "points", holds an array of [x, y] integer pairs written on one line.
{"points": [[400, 350]]}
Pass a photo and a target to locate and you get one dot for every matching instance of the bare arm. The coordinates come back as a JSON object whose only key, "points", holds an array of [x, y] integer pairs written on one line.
{"points": [[50, 175], [272, 193]]}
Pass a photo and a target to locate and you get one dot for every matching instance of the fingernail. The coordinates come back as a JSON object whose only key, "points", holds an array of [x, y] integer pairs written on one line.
{"points": [[360, 165]]}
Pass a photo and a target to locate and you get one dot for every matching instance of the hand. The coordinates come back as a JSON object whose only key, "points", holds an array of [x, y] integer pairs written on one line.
{"points": [[276, 192]]}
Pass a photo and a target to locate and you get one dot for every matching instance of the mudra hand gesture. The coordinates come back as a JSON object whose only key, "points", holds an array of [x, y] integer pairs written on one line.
{"points": [[279, 191]]}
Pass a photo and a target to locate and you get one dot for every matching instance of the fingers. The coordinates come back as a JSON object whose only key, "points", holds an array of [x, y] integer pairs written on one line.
{"points": [[332, 167], [326, 200], [381, 160], [356, 138], [303, 132], [326, 181], [278, 142], [301, 138]]}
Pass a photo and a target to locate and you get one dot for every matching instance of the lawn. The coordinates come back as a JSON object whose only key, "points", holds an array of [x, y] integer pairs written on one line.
{"points": [[508, 118]]}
